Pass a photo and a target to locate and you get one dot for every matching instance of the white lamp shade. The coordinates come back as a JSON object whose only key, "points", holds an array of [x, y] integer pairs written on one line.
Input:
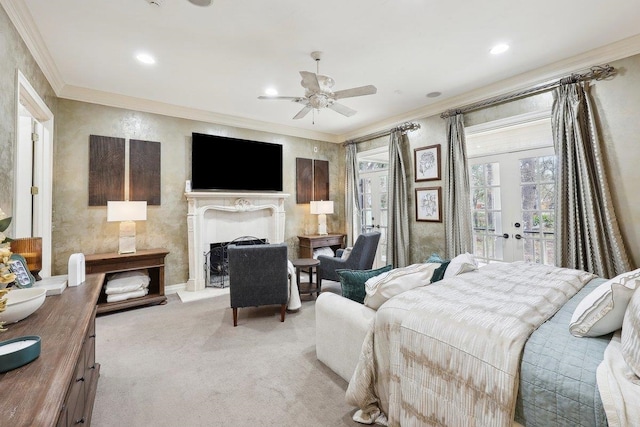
{"points": [[126, 211], [322, 207]]}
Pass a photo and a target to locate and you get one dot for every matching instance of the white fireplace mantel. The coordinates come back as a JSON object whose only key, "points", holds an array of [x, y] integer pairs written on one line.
{"points": [[219, 216]]}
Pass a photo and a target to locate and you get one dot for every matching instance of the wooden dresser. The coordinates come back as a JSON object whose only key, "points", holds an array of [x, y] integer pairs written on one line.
{"points": [[59, 387]]}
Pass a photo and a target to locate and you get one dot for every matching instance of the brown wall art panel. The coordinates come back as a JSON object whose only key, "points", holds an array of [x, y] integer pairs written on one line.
{"points": [[320, 180], [144, 171], [312, 180], [106, 169], [304, 180]]}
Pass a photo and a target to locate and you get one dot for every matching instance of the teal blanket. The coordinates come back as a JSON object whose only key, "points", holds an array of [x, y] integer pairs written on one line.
{"points": [[558, 373]]}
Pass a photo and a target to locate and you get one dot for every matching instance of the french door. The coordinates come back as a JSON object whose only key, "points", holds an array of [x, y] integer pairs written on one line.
{"points": [[373, 168], [512, 206], [374, 210]]}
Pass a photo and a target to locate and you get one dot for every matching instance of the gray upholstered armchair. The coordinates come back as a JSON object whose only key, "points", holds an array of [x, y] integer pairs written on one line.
{"points": [[361, 258], [258, 275]]}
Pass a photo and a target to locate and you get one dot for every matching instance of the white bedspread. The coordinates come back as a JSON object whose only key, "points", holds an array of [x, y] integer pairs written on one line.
{"points": [[619, 387], [449, 353]]}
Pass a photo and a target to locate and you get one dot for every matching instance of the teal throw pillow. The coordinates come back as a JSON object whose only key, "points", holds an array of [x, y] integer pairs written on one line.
{"points": [[435, 258], [352, 281], [438, 273]]}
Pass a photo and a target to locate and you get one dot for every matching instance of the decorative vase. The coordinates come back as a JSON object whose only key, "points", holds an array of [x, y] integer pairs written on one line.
{"points": [[31, 249]]}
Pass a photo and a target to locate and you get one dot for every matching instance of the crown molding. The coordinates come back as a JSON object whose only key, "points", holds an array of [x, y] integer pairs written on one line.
{"points": [[26, 27]]}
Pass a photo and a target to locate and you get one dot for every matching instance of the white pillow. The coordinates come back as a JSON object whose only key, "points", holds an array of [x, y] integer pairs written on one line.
{"points": [[391, 283], [463, 263], [346, 252], [630, 337], [602, 311], [325, 250]]}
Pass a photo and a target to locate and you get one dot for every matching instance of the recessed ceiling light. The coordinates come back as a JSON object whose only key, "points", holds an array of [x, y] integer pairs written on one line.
{"points": [[145, 58], [499, 48], [270, 91], [201, 2], [434, 94]]}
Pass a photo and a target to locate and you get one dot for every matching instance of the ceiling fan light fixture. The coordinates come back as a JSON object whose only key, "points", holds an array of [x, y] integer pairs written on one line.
{"points": [[318, 101], [271, 91]]}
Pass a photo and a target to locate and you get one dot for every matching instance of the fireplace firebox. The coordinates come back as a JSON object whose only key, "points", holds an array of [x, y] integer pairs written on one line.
{"points": [[216, 263]]}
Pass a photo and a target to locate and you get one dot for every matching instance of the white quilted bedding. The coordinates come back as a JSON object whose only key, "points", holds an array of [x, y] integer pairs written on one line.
{"points": [[448, 353]]}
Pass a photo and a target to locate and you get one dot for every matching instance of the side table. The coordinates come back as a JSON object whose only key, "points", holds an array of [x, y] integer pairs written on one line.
{"points": [[308, 264], [150, 259], [310, 242]]}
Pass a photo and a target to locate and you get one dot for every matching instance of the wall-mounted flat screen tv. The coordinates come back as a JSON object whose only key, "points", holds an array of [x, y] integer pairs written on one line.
{"points": [[223, 163]]}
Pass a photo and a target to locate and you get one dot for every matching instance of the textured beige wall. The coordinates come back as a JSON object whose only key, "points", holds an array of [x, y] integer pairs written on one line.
{"points": [[80, 228], [14, 56]]}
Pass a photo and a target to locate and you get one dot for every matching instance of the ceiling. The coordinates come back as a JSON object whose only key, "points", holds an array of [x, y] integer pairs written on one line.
{"points": [[213, 62]]}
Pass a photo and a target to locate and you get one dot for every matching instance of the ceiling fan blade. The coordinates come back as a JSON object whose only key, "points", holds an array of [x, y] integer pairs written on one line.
{"points": [[356, 91], [339, 108], [302, 112], [280, 98], [310, 81]]}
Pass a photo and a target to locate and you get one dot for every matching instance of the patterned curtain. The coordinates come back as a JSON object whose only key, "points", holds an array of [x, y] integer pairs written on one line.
{"points": [[457, 206], [352, 198], [398, 225], [587, 233]]}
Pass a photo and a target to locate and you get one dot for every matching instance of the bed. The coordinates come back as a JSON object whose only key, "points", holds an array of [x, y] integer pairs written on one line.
{"points": [[483, 348]]}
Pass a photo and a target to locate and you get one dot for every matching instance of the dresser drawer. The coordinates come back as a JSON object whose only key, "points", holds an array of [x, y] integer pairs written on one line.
{"points": [[327, 241]]}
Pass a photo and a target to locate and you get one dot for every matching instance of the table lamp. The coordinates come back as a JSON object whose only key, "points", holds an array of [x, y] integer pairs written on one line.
{"points": [[127, 212], [322, 208]]}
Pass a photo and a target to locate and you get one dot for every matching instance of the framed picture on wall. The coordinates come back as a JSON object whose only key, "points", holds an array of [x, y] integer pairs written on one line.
{"points": [[428, 205], [427, 163]]}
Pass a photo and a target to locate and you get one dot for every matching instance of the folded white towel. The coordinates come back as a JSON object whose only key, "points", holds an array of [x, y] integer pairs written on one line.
{"points": [[127, 295], [111, 289], [127, 281]]}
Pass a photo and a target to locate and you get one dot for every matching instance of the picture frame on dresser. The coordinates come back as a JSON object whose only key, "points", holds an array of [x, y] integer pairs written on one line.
{"points": [[18, 266]]}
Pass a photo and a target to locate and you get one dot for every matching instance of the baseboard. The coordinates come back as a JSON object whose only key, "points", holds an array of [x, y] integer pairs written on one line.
{"points": [[173, 289]]}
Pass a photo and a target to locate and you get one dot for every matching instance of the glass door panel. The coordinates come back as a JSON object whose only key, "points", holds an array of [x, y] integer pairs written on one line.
{"points": [[375, 210], [373, 166], [512, 206]]}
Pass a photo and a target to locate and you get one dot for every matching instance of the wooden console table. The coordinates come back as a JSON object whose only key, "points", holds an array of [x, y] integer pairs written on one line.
{"points": [[311, 242], [59, 387], [150, 259]]}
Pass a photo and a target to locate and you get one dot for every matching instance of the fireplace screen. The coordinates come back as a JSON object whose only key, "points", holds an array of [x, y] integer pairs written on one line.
{"points": [[216, 266]]}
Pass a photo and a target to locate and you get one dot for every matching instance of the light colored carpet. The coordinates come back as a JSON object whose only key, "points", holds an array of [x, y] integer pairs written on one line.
{"points": [[184, 364]]}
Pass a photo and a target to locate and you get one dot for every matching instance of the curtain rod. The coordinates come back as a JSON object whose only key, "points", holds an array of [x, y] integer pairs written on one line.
{"points": [[404, 128], [598, 72]]}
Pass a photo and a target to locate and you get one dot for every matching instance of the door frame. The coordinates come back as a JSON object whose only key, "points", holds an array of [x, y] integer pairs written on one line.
{"points": [[43, 161]]}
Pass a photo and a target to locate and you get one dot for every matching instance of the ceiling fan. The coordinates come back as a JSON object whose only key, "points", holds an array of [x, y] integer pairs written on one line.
{"points": [[318, 93]]}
